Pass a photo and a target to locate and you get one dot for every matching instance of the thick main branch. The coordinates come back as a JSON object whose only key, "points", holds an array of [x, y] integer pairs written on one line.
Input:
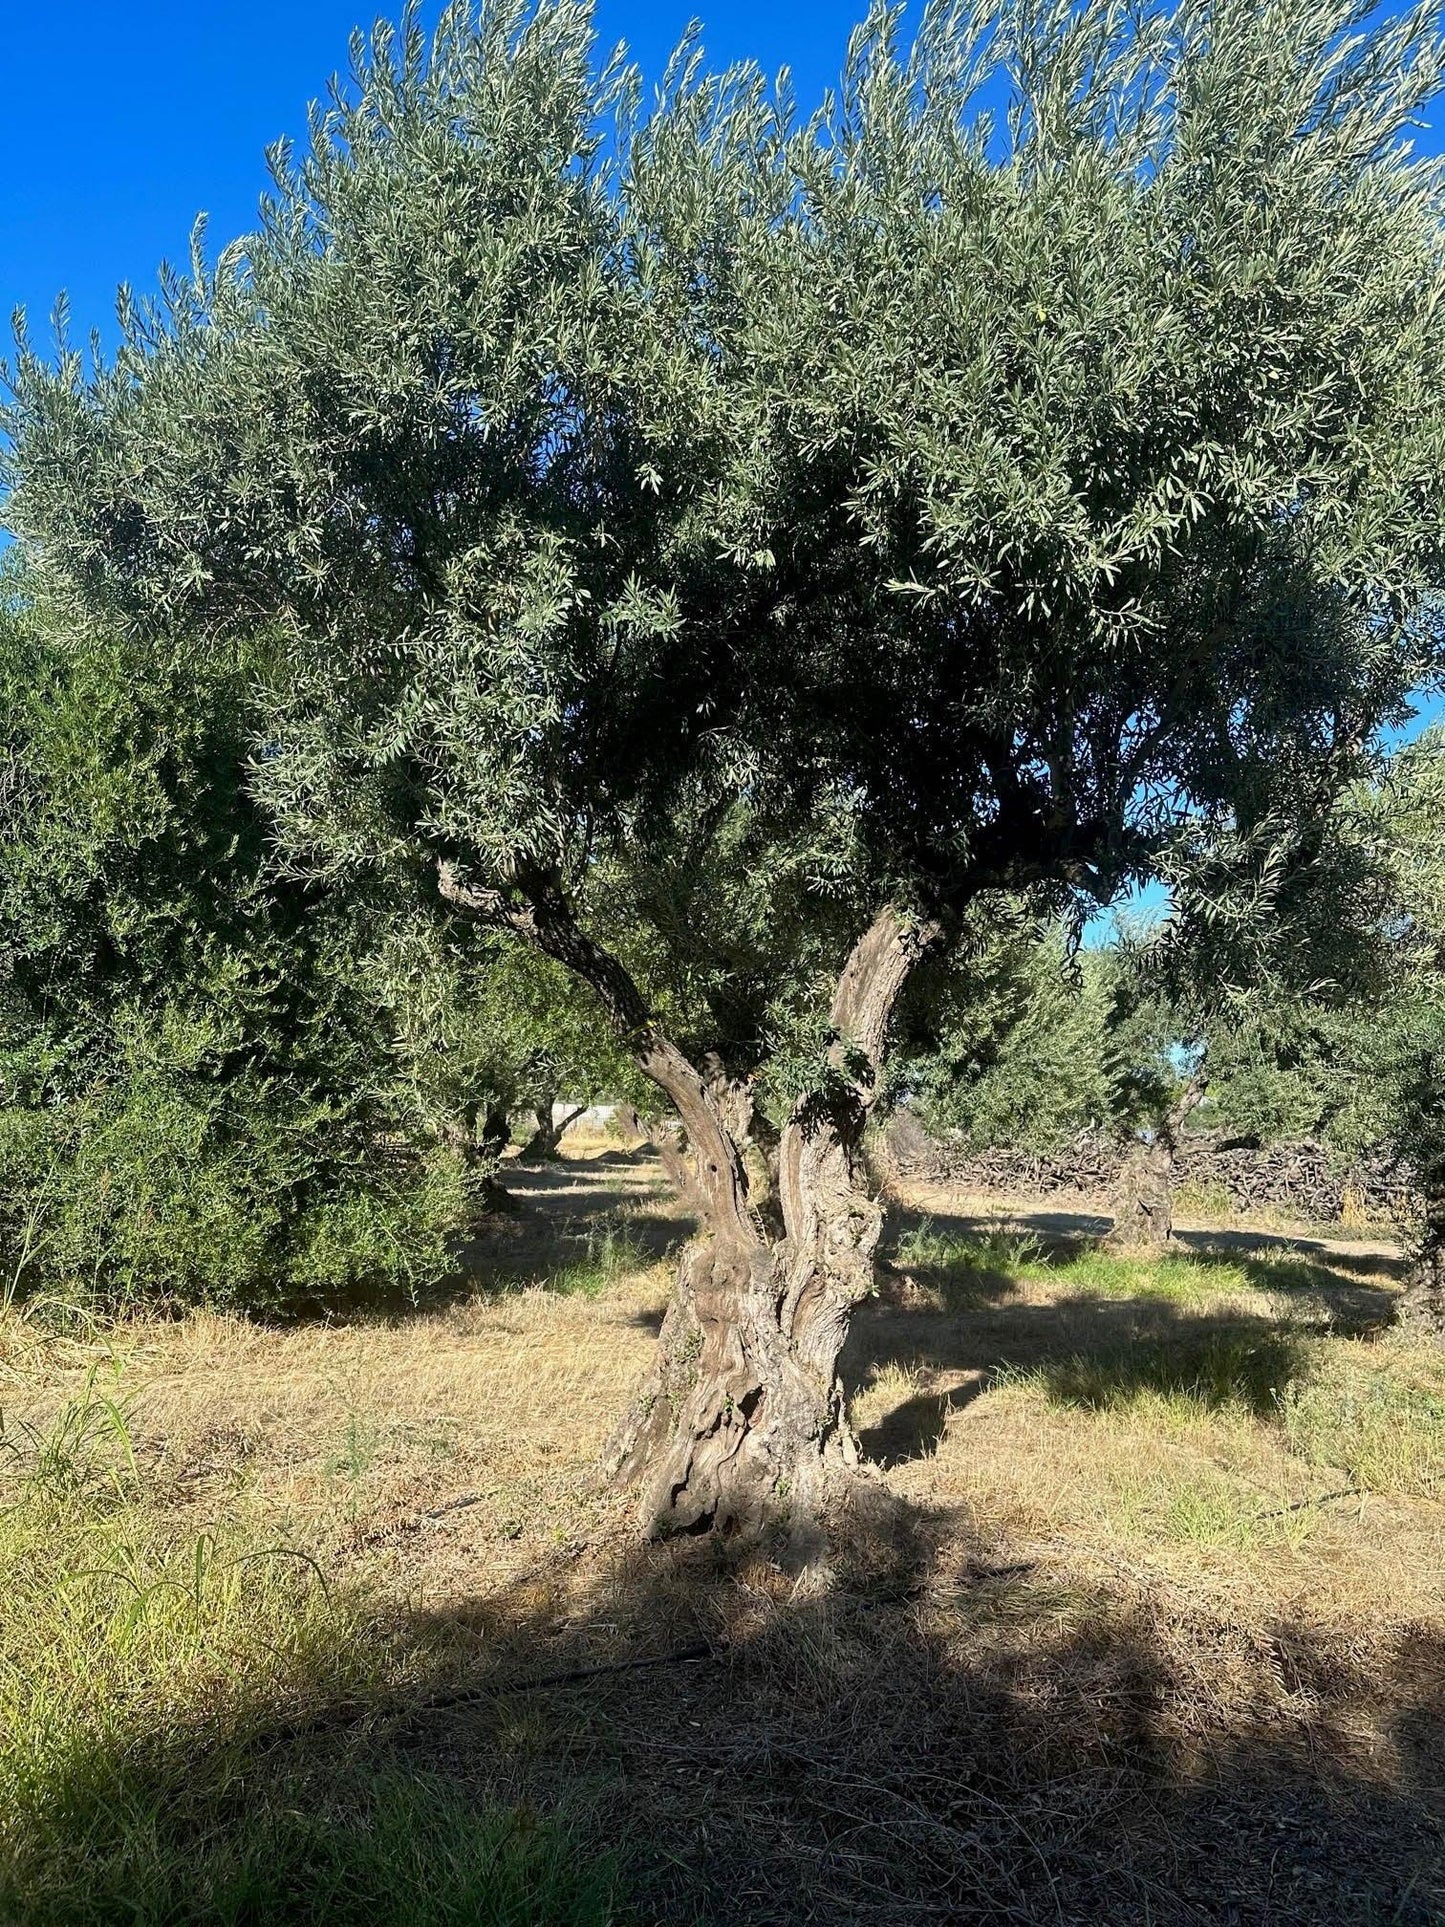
{"points": [[543, 917], [832, 1223]]}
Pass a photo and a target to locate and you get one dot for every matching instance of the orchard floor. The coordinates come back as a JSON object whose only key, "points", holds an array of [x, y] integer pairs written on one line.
{"points": [[340, 1622]]}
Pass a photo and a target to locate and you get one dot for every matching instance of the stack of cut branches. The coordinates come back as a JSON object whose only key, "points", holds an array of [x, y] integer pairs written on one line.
{"points": [[1305, 1178]]}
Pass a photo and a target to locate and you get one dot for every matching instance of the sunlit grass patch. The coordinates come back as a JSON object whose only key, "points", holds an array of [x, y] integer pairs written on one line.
{"points": [[1207, 1506], [963, 1270], [1190, 1277], [157, 1690], [1091, 1271], [1159, 1469], [929, 1247], [968, 1268], [1382, 1425], [613, 1250]]}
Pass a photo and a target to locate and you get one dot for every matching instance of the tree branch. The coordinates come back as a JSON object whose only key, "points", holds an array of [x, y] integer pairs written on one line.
{"points": [[868, 989], [540, 913]]}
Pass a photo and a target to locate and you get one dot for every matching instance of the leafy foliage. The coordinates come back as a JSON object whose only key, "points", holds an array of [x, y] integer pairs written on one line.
{"points": [[486, 1026], [1019, 1052], [1352, 1057], [977, 500], [193, 1065], [1307, 988]]}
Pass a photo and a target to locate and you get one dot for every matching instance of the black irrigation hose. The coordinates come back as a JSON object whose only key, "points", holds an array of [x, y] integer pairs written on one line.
{"points": [[342, 1716]]}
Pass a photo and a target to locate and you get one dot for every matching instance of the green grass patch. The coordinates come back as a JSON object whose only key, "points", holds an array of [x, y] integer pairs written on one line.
{"points": [[1194, 1277], [1211, 1368], [970, 1268], [612, 1250], [1384, 1428], [965, 1270], [927, 1248], [156, 1697], [1204, 1505], [1178, 1277], [348, 1849]]}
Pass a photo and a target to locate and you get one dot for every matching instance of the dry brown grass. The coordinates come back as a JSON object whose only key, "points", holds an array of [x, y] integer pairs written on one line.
{"points": [[347, 1437], [1243, 1424], [1125, 1648]]}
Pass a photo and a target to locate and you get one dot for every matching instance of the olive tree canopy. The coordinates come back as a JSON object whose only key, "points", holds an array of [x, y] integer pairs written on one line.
{"points": [[1036, 450]]}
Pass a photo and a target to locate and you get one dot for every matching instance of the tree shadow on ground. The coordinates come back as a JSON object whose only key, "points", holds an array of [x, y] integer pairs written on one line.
{"points": [[1064, 1229], [971, 1325], [1093, 1354], [944, 1733], [557, 1216], [1346, 1291]]}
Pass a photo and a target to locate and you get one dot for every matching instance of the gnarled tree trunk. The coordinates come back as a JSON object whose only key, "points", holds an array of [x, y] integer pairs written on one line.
{"points": [[496, 1131], [1144, 1196], [1422, 1307], [741, 1420], [546, 1140]]}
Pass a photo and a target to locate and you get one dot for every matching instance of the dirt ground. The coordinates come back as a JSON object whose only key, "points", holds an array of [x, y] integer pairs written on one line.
{"points": [[1150, 1629]]}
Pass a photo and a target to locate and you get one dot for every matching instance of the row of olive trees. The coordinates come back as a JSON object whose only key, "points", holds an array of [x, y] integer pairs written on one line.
{"points": [[722, 550]]}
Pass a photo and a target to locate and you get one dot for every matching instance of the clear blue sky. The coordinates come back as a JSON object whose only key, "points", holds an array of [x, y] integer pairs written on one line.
{"points": [[122, 122]]}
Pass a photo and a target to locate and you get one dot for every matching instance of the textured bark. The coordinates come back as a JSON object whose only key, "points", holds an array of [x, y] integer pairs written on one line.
{"points": [[1422, 1306], [754, 1136], [731, 1431], [1144, 1199], [546, 1140], [741, 1421]]}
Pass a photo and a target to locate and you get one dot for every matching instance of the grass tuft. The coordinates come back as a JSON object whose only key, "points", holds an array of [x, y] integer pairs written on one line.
{"points": [[963, 1270], [358, 1849], [1384, 1428], [611, 1252], [148, 1682]]}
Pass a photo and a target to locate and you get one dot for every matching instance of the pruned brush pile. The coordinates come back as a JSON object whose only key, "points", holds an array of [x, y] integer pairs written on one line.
{"points": [[1304, 1179]]}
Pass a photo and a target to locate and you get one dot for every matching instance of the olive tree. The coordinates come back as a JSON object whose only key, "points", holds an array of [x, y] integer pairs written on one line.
{"points": [[1387, 1056], [1005, 1042], [1266, 922], [1301, 985], [969, 495], [201, 1094]]}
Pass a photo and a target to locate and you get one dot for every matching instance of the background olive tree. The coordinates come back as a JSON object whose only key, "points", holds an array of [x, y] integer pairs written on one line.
{"points": [[200, 1089]]}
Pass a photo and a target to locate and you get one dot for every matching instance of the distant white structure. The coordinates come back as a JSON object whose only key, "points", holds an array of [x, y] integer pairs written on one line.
{"points": [[594, 1117]]}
